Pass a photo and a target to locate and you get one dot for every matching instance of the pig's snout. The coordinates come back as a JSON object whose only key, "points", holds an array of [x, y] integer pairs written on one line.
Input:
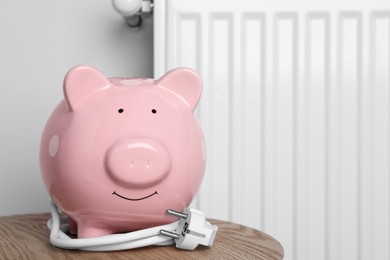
{"points": [[138, 162]]}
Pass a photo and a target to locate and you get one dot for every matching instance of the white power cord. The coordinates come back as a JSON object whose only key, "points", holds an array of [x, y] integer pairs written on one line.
{"points": [[191, 230]]}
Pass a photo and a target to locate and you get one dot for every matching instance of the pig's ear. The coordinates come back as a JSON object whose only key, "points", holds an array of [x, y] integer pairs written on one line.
{"points": [[185, 84], [81, 82]]}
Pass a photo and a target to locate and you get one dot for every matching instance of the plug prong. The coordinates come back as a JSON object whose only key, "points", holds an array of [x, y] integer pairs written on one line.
{"points": [[176, 213], [169, 234]]}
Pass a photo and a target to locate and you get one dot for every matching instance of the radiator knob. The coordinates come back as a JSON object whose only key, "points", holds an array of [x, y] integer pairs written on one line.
{"points": [[127, 8]]}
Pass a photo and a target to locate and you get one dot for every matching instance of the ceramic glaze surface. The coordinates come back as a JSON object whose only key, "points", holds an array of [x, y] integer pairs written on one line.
{"points": [[116, 153]]}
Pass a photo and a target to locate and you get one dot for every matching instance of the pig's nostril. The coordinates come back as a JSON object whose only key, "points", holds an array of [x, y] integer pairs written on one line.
{"points": [[132, 164], [147, 163]]}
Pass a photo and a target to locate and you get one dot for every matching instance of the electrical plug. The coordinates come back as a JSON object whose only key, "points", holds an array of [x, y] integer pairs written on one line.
{"points": [[193, 229]]}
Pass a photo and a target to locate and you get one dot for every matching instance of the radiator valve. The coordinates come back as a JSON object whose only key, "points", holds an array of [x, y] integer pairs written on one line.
{"points": [[133, 10]]}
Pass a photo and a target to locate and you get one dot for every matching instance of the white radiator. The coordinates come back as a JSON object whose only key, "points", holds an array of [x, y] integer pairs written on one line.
{"points": [[296, 115]]}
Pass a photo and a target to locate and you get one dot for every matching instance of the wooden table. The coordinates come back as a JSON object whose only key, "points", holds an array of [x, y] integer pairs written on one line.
{"points": [[27, 237]]}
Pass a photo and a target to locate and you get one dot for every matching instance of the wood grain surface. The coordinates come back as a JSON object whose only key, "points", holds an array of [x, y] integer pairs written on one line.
{"points": [[27, 237]]}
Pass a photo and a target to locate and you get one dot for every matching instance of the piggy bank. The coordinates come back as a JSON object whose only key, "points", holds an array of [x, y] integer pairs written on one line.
{"points": [[116, 153]]}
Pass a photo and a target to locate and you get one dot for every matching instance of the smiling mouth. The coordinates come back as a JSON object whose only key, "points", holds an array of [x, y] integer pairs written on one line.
{"points": [[125, 198]]}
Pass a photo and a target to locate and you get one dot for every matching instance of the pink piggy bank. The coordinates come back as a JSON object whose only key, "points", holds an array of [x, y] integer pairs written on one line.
{"points": [[116, 153]]}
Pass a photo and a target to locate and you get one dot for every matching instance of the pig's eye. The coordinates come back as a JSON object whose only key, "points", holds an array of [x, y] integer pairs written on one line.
{"points": [[120, 110], [154, 111]]}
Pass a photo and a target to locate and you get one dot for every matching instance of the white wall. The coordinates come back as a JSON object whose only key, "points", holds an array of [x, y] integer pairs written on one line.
{"points": [[39, 41]]}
